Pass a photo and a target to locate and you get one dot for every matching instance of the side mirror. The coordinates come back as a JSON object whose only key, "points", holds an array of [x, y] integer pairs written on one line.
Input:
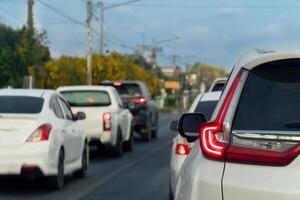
{"points": [[80, 116], [189, 125], [173, 125]]}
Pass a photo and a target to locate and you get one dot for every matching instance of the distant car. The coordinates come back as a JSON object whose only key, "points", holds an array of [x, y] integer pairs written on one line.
{"points": [[204, 103], [218, 85], [108, 124], [142, 106], [39, 136], [250, 147]]}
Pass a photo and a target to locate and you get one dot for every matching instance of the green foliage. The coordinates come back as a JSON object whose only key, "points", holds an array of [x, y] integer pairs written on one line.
{"points": [[22, 52]]}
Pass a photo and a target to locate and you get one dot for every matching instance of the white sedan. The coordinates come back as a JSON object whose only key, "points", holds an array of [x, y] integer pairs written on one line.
{"points": [[204, 103], [39, 136]]}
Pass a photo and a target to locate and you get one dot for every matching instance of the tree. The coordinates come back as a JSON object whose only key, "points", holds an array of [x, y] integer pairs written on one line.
{"points": [[206, 74]]}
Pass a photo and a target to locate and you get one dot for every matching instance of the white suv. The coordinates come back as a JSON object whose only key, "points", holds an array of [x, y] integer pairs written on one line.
{"points": [[249, 149], [108, 124]]}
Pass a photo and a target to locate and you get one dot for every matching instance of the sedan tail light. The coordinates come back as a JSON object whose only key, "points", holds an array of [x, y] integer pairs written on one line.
{"points": [[106, 121], [216, 144], [182, 149], [40, 134]]}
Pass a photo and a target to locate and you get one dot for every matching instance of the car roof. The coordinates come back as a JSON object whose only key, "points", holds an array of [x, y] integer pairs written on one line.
{"points": [[85, 87], [26, 92], [257, 57], [211, 96]]}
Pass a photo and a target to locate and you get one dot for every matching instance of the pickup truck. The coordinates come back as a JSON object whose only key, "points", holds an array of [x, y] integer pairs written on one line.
{"points": [[108, 124]]}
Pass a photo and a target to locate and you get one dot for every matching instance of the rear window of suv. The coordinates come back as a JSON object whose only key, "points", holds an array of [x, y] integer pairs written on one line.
{"points": [[271, 98], [129, 90], [87, 98], [21, 104]]}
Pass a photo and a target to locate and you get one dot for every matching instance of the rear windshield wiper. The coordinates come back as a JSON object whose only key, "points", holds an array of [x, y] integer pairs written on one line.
{"points": [[294, 124]]}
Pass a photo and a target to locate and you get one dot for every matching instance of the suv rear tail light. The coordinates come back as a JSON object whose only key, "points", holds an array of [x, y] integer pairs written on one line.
{"points": [[216, 144], [106, 121], [213, 140], [117, 84], [182, 149], [258, 151], [141, 100], [40, 134]]}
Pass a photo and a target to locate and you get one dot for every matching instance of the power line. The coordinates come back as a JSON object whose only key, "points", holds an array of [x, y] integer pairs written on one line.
{"points": [[11, 14], [61, 13], [212, 6]]}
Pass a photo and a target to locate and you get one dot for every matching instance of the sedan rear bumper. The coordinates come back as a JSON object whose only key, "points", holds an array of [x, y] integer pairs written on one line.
{"points": [[31, 155]]}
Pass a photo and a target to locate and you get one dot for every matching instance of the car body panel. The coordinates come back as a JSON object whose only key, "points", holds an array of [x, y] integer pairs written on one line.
{"points": [[93, 125], [40, 154]]}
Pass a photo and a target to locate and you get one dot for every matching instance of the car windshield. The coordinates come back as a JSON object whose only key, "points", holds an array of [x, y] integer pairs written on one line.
{"points": [[206, 107], [87, 98], [21, 104], [271, 98]]}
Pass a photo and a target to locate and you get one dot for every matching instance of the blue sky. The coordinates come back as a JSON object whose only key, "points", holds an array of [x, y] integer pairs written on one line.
{"points": [[211, 31]]}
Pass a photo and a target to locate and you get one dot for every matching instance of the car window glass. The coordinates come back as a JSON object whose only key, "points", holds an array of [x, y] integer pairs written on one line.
{"points": [[21, 104], [54, 105], [271, 98], [87, 98], [66, 109], [206, 107]]}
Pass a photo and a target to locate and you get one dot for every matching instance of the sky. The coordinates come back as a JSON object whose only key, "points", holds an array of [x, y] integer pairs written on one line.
{"points": [[215, 32]]}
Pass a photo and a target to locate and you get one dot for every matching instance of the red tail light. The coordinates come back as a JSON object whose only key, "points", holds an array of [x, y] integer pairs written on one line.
{"points": [[117, 84], [182, 149], [215, 143], [212, 138], [141, 100], [106, 121], [40, 134]]}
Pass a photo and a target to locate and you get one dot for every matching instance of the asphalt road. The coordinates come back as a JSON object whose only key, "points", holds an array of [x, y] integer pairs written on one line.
{"points": [[139, 175]]}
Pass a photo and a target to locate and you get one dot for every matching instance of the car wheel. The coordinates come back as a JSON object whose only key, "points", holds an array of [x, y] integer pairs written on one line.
{"points": [[118, 149], [57, 182], [128, 145], [84, 163]]}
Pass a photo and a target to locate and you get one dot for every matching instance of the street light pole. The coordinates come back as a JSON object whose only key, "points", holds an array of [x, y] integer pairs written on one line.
{"points": [[156, 48]]}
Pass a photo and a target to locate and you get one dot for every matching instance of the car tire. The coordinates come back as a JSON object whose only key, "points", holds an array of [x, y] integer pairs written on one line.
{"points": [[155, 128], [84, 163], [171, 197], [57, 182], [128, 145], [117, 150]]}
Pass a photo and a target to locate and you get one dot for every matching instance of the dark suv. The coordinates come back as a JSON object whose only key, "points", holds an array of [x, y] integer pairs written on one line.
{"points": [[136, 96]]}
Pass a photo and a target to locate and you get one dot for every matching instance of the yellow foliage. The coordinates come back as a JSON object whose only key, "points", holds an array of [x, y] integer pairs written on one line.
{"points": [[69, 70]]}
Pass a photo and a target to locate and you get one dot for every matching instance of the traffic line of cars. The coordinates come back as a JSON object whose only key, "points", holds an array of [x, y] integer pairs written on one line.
{"points": [[249, 147], [46, 133]]}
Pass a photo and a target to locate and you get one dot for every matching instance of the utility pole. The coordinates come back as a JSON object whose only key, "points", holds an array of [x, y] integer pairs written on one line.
{"points": [[89, 42], [102, 30], [102, 9]]}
